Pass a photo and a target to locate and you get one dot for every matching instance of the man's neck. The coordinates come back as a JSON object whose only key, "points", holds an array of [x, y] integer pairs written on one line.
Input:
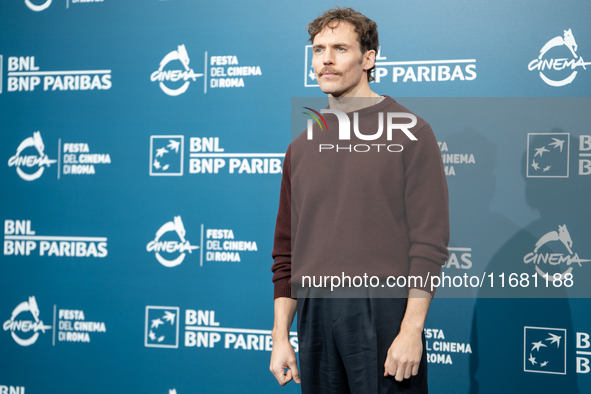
{"points": [[354, 103]]}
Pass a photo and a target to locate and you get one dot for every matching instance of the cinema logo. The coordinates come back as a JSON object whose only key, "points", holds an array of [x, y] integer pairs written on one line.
{"points": [[201, 330], [219, 245], [25, 320], [558, 241], [30, 159], [21, 240], [558, 71], [344, 130], [25, 76], [407, 71], [170, 77], [176, 249]]}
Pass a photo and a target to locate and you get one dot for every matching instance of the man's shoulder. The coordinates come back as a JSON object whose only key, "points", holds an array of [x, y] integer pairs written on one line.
{"points": [[391, 105]]}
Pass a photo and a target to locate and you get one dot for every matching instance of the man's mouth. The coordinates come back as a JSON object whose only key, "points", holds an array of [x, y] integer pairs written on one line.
{"points": [[329, 74]]}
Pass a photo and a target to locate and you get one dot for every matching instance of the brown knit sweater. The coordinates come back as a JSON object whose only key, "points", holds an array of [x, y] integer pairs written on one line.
{"points": [[379, 213]]}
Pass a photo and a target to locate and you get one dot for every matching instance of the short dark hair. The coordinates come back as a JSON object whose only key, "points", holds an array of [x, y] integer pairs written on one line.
{"points": [[366, 29]]}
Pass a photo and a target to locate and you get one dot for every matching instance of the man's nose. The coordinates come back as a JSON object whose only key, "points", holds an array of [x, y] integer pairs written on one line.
{"points": [[328, 58]]}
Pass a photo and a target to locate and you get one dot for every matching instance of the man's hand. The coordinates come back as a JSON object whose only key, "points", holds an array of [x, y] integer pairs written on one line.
{"points": [[283, 356], [404, 356]]}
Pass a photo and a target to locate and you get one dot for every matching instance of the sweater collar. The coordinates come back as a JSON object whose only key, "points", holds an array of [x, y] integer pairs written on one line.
{"points": [[379, 107]]}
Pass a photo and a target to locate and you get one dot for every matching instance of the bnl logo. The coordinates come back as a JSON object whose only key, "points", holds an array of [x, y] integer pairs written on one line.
{"points": [[166, 155], [544, 350], [548, 155], [162, 327]]}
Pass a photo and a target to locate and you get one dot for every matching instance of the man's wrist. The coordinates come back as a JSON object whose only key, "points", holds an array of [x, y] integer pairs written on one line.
{"points": [[279, 334], [410, 328]]}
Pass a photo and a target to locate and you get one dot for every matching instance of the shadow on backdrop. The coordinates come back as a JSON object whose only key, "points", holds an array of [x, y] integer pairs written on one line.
{"points": [[507, 332], [475, 230]]}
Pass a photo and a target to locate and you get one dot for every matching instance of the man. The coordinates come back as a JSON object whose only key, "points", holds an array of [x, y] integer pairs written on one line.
{"points": [[357, 345]]}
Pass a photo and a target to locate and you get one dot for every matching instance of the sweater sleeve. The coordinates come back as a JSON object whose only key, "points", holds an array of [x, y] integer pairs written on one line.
{"points": [[281, 254], [427, 207]]}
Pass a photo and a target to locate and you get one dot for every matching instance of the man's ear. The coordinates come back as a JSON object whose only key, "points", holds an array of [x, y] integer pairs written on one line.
{"points": [[369, 59]]}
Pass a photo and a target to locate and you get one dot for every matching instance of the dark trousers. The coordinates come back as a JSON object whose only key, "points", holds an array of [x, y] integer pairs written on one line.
{"points": [[343, 344]]}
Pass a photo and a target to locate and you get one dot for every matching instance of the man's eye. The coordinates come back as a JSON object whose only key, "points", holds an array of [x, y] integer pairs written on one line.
{"points": [[341, 49], [317, 50]]}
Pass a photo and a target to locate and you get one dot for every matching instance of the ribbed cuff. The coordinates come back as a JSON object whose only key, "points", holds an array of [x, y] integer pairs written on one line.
{"points": [[282, 288], [424, 269]]}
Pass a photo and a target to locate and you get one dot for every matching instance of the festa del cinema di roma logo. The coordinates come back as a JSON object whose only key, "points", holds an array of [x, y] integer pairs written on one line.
{"points": [[171, 246], [70, 326], [223, 71], [553, 66], [19, 328], [39, 161], [173, 76], [30, 159]]}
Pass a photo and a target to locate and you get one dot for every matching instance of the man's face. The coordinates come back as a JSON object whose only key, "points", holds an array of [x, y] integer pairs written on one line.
{"points": [[338, 62]]}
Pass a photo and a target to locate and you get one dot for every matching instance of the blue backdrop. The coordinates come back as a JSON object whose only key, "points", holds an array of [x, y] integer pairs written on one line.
{"points": [[142, 143]]}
